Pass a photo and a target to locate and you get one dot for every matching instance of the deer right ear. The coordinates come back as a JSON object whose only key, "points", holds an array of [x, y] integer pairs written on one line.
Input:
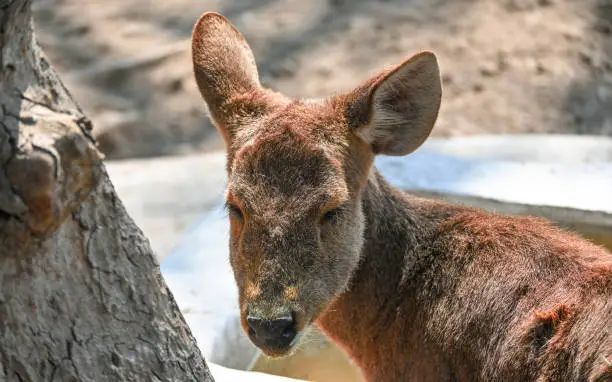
{"points": [[225, 72], [395, 111]]}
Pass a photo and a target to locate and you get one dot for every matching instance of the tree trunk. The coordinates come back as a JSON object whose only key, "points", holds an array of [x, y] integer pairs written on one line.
{"points": [[81, 295]]}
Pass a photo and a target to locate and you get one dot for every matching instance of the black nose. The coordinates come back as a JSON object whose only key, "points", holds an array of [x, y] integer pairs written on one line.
{"points": [[277, 333]]}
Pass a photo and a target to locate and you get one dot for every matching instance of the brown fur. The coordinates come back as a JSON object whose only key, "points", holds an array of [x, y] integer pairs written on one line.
{"points": [[412, 289]]}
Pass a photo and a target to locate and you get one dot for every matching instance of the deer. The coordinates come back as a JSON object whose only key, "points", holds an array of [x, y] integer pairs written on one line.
{"points": [[412, 289]]}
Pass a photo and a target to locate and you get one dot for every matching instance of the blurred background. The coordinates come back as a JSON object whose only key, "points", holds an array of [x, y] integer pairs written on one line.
{"points": [[509, 66], [516, 74]]}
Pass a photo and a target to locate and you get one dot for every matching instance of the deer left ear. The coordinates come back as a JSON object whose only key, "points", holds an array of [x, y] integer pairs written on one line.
{"points": [[226, 73], [396, 111]]}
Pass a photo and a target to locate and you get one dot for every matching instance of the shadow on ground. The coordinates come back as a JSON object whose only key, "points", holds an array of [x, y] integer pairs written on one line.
{"points": [[589, 99]]}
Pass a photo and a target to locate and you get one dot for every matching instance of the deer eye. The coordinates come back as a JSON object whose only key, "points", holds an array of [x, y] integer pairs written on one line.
{"points": [[235, 211], [331, 216]]}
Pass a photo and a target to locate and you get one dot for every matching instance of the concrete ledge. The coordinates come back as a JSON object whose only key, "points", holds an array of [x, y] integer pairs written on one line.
{"points": [[523, 148], [167, 196], [224, 374], [582, 186]]}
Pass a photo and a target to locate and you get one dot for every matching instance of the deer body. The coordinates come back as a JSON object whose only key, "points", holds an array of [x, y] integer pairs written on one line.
{"points": [[412, 289], [448, 293]]}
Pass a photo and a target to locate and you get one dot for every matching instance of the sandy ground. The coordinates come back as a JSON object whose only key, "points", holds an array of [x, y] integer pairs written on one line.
{"points": [[508, 66]]}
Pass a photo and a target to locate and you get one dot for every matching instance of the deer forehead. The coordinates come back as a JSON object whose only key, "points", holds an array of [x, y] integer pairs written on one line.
{"points": [[286, 175], [317, 123]]}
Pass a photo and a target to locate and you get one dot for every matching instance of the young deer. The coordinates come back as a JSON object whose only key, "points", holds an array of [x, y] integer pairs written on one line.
{"points": [[412, 289]]}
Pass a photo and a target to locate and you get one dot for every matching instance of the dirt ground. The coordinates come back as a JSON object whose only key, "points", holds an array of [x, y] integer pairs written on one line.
{"points": [[509, 66]]}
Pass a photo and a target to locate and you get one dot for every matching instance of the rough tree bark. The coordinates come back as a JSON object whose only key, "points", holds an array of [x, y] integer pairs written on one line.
{"points": [[81, 295]]}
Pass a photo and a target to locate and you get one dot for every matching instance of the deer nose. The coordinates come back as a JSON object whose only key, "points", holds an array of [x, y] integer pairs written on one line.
{"points": [[277, 333]]}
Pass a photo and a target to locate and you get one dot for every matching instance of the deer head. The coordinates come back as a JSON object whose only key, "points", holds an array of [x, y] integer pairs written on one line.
{"points": [[296, 173]]}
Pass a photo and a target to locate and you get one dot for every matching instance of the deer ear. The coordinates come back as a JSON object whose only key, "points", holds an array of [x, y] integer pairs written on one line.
{"points": [[396, 111], [225, 71]]}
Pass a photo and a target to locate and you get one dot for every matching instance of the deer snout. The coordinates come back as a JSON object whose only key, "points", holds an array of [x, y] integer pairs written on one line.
{"points": [[277, 333]]}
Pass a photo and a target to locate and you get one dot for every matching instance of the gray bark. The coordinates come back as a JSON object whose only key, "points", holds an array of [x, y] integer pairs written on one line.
{"points": [[81, 295]]}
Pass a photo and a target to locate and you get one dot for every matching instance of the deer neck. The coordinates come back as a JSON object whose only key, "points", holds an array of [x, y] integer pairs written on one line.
{"points": [[398, 230]]}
